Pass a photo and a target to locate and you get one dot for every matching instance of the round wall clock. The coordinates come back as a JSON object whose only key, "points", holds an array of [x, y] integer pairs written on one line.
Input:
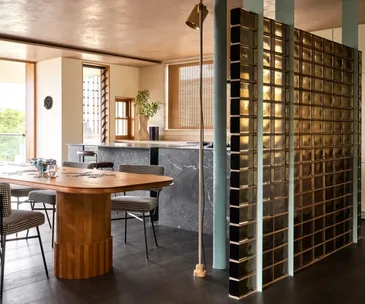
{"points": [[48, 102]]}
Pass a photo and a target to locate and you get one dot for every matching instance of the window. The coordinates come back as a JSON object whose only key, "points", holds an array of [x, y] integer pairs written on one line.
{"points": [[183, 112], [95, 101], [13, 111], [124, 118]]}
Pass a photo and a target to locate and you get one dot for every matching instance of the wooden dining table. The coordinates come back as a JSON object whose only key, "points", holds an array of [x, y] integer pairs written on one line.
{"points": [[83, 246]]}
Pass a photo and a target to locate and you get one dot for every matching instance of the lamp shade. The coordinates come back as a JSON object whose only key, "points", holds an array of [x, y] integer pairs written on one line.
{"points": [[193, 19]]}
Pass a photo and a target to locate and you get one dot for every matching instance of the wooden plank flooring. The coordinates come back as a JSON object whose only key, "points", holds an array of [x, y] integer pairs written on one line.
{"points": [[167, 278]]}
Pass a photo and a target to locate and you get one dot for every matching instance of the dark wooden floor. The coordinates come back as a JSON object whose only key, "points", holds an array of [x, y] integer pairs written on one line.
{"points": [[167, 277]]}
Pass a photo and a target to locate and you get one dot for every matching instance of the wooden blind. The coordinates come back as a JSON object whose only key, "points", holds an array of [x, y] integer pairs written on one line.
{"points": [[184, 95]]}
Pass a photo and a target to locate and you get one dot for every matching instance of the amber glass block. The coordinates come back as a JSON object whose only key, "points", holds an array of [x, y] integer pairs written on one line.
{"points": [[278, 62], [247, 37], [278, 45], [267, 76], [267, 26], [247, 72], [279, 29], [267, 42], [306, 53], [267, 59], [247, 55], [246, 90]]}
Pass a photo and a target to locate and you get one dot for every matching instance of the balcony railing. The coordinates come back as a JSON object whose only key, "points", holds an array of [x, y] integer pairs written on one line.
{"points": [[12, 147]]}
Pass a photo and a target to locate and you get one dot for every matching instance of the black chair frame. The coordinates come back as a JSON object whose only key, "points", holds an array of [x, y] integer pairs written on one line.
{"points": [[142, 219], [45, 209], [3, 241]]}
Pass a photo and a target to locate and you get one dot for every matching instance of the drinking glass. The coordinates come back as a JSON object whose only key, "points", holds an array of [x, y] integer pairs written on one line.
{"points": [[52, 170]]}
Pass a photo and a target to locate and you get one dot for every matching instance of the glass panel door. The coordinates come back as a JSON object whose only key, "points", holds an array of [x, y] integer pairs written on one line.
{"points": [[12, 111]]}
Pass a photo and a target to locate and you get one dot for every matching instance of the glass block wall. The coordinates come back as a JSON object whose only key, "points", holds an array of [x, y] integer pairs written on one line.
{"points": [[244, 153], [324, 123], [323, 143], [360, 142], [275, 165]]}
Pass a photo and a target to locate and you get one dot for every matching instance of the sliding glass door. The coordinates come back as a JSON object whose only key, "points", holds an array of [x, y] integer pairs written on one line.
{"points": [[12, 111]]}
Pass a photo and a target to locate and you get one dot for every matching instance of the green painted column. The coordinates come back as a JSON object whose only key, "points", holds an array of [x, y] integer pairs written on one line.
{"points": [[257, 6], [284, 13], [350, 37], [220, 200]]}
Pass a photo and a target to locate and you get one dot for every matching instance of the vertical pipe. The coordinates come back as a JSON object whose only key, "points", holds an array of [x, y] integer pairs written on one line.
{"points": [[220, 135], [257, 6], [199, 269], [284, 12], [201, 134], [350, 37]]}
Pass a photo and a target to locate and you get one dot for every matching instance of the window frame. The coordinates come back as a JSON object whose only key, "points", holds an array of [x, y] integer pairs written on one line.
{"points": [[130, 117], [104, 115], [173, 88]]}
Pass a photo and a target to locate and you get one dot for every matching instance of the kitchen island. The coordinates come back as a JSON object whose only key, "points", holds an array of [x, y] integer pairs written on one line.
{"points": [[178, 204]]}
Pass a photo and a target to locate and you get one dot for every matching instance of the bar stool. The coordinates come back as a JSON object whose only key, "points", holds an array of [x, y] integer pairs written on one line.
{"points": [[100, 165], [82, 155]]}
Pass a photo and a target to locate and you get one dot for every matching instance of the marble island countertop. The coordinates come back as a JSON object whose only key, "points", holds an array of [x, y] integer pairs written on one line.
{"points": [[147, 145], [136, 145]]}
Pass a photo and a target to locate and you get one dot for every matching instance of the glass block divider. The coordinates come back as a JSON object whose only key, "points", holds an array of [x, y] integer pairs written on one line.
{"points": [[323, 150]]}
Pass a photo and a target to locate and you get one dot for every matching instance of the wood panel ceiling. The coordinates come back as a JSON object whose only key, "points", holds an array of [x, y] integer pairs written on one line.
{"points": [[147, 29], [151, 29]]}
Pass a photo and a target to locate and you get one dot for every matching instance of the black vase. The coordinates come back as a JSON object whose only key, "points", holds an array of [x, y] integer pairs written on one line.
{"points": [[154, 133]]}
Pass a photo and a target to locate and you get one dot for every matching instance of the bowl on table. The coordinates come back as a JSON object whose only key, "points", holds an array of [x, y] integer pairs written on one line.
{"points": [[42, 164]]}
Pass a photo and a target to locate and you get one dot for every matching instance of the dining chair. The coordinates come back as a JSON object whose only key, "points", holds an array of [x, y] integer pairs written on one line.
{"points": [[18, 192], [141, 205], [44, 197], [15, 221], [78, 165], [97, 165]]}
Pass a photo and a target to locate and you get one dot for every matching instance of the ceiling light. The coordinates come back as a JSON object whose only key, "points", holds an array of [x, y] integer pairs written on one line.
{"points": [[193, 19]]}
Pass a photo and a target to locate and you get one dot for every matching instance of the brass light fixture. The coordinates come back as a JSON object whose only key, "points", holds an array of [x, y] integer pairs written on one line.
{"points": [[195, 21]]}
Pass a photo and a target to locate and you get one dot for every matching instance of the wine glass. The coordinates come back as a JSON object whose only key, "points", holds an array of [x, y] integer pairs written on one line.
{"points": [[52, 170]]}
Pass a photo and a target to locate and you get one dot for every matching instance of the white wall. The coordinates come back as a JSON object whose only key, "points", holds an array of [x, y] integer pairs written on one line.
{"points": [[60, 78], [71, 103], [124, 82], [152, 79], [49, 122]]}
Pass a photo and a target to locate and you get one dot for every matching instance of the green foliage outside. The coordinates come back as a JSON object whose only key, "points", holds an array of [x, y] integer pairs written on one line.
{"points": [[144, 105], [11, 121]]}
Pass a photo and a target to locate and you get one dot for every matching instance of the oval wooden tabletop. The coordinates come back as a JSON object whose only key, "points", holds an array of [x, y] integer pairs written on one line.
{"points": [[83, 181]]}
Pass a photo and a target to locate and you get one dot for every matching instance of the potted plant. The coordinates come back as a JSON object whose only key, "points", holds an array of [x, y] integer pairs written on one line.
{"points": [[145, 109]]}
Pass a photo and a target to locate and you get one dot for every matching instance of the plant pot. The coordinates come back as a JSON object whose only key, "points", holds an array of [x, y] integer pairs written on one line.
{"points": [[143, 128]]}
